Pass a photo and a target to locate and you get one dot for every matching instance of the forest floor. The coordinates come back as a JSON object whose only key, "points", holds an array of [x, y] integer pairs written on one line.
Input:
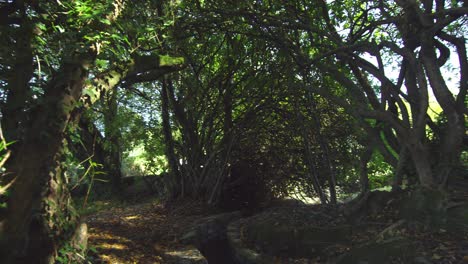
{"points": [[144, 233], [148, 232]]}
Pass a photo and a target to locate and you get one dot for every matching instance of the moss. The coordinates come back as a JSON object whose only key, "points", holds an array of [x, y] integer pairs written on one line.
{"points": [[285, 240], [389, 251], [425, 206], [166, 60]]}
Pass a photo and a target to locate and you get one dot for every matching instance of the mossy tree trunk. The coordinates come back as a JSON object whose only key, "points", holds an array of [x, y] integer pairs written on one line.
{"points": [[91, 142], [40, 216]]}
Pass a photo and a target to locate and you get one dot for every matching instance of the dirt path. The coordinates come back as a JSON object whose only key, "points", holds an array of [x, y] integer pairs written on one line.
{"points": [[149, 233], [144, 233]]}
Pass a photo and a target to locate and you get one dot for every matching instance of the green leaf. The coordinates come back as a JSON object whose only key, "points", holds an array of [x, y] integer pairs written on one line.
{"points": [[106, 21], [59, 28], [91, 92], [166, 60]]}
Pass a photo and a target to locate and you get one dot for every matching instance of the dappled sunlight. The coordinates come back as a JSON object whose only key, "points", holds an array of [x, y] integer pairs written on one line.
{"points": [[100, 235], [133, 217], [186, 254], [112, 246], [143, 233], [325, 131]]}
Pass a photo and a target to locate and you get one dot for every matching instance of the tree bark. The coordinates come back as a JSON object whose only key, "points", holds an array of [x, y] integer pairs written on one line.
{"points": [[363, 169], [420, 157], [308, 157], [326, 160], [113, 138], [221, 181], [91, 142], [451, 142], [39, 216], [174, 177], [399, 170]]}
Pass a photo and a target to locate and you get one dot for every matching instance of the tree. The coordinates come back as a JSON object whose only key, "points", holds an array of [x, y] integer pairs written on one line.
{"points": [[230, 106], [354, 44], [40, 216], [113, 138], [419, 38]]}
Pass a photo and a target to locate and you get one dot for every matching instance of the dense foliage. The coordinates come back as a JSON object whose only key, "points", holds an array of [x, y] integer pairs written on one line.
{"points": [[230, 102]]}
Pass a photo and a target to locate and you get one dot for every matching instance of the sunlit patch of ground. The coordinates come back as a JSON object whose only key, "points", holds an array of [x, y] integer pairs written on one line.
{"points": [[132, 217], [144, 233]]}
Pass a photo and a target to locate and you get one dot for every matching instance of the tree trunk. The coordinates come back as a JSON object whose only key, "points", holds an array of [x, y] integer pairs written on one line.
{"points": [[91, 142], [363, 169], [191, 151], [40, 217], [326, 161], [420, 156], [219, 180], [113, 139], [400, 169], [450, 149], [13, 113], [308, 157], [452, 138], [174, 178]]}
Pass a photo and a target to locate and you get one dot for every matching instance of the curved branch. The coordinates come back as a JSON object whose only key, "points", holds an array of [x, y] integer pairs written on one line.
{"points": [[462, 60]]}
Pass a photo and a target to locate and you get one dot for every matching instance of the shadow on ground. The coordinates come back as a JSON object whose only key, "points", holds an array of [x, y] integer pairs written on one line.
{"points": [[143, 233]]}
